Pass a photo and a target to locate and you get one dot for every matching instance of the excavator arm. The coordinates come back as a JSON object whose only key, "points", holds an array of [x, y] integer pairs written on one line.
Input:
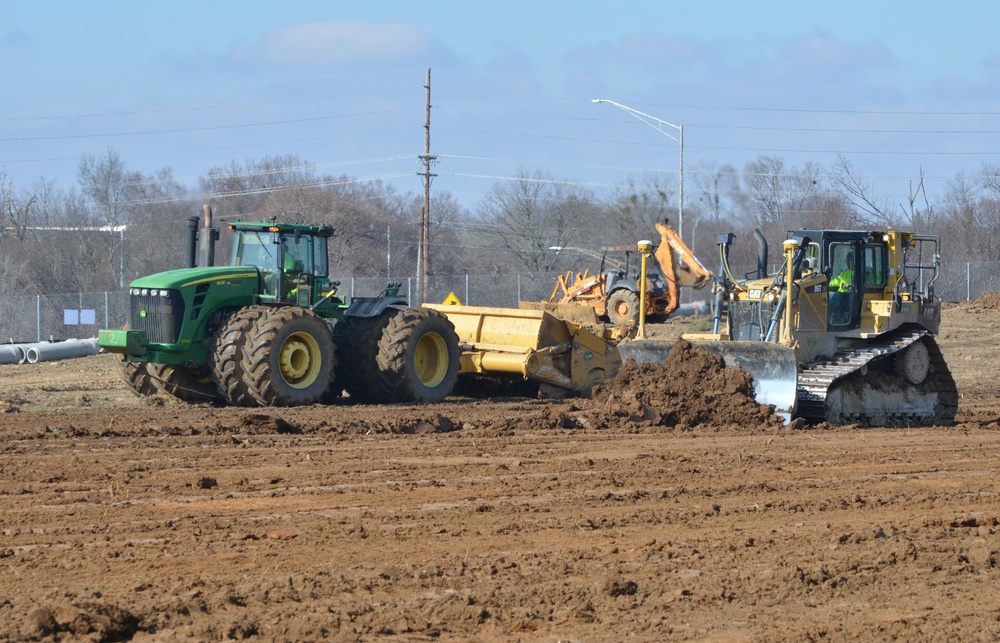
{"points": [[679, 265]]}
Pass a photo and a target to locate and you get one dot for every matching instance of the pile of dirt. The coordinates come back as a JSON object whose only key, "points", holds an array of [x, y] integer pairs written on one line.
{"points": [[691, 388], [986, 301]]}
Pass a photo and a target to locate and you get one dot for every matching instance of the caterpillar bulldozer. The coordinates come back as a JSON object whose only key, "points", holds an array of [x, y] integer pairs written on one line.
{"points": [[843, 332], [270, 329], [615, 294]]}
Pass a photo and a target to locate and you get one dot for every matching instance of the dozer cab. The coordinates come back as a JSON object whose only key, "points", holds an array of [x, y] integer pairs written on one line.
{"points": [[615, 294], [842, 332]]}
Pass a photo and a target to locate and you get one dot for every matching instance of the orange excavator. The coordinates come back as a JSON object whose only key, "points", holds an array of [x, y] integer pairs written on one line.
{"points": [[614, 294]]}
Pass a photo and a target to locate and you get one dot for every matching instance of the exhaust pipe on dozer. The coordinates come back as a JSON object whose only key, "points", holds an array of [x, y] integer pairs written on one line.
{"points": [[761, 253]]}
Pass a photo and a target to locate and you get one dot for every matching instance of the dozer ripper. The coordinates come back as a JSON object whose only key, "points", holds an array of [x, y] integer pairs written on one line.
{"points": [[615, 294], [270, 330], [842, 332]]}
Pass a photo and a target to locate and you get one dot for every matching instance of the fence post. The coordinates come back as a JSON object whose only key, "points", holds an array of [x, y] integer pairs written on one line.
{"points": [[519, 286], [38, 318], [968, 280], [467, 302]]}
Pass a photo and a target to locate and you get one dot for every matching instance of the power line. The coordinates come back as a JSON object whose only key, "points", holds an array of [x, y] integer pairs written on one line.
{"points": [[199, 129], [202, 108]]}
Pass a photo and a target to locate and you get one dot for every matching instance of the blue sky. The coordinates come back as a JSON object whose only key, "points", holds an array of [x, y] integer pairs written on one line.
{"points": [[895, 88]]}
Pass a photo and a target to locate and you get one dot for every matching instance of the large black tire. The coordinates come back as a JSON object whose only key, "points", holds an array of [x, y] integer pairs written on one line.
{"points": [[137, 377], [227, 356], [184, 383], [358, 350], [418, 356], [623, 307], [288, 357]]}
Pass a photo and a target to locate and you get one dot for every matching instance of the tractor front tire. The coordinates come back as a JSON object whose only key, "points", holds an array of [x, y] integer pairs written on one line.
{"points": [[418, 356], [184, 383], [288, 358], [623, 307], [137, 377]]}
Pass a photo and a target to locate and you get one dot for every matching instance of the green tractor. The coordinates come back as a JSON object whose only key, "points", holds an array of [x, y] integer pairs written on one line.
{"points": [[270, 330]]}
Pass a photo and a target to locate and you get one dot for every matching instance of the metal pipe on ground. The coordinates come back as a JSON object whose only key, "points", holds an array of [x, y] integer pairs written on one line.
{"points": [[47, 352]]}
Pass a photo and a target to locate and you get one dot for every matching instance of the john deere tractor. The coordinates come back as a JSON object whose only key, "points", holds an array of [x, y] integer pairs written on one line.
{"points": [[270, 330]]}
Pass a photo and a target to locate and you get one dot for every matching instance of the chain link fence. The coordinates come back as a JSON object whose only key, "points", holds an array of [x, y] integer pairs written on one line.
{"points": [[32, 318]]}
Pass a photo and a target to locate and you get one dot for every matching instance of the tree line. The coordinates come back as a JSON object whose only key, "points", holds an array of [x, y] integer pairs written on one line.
{"points": [[118, 224]]}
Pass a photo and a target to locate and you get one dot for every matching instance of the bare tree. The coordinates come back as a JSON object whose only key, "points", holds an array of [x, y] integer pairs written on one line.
{"points": [[920, 220], [636, 206], [532, 214], [719, 193], [109, 186], [875, 208]]}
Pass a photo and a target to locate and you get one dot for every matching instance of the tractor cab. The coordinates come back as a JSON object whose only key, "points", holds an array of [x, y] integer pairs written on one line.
{"points": [[291, 260]]}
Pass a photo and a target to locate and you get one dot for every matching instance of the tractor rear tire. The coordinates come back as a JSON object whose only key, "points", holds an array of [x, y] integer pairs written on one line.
{"points": [[357, 368], [288, 357], [137, 377], [227, 356], [418, 356], [623, 307], [184, 383]]}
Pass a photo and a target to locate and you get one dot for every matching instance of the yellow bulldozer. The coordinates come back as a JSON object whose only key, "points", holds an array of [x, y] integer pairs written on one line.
{"points": [[615, 294], [843, 331]]}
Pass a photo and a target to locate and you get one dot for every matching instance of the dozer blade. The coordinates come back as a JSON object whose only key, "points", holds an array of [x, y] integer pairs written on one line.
{"points": [[772, 367]]}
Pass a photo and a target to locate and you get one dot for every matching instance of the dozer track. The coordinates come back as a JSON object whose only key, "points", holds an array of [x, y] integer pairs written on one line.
{"points": [[864, 385]]}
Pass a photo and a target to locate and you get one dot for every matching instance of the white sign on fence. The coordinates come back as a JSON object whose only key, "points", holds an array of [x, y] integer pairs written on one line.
{"points": [[73, 317]]}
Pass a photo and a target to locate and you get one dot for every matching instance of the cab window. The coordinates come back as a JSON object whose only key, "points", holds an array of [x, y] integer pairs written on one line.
{"points": [[875, 272]]}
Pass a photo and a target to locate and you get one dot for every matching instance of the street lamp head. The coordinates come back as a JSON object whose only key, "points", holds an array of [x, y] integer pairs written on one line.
{"points": [[596, 100]]}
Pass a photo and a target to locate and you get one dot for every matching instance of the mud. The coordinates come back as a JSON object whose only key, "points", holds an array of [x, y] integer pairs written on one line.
{"points": [[690, 388], [668, 507]]}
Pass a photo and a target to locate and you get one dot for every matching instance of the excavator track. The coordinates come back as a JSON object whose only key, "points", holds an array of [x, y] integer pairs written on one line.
{"points": [[866, 385]]}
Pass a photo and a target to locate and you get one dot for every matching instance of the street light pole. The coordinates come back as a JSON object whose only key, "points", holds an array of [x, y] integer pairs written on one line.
{"points": [[657, 124]]}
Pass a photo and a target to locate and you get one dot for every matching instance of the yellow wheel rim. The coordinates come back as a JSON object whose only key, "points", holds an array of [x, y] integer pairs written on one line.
{"points": [[300, 360], [430, 360], [201, 374]]}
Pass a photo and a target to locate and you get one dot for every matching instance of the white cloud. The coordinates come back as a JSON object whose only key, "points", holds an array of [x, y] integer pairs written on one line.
{"points": [[321, 44]]}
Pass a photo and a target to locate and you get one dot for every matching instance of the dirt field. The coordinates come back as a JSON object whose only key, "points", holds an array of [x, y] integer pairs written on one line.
{"points": [[511, 519]]}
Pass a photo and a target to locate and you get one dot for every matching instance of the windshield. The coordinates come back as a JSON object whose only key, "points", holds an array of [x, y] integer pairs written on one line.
{"points": [[256, 249]]}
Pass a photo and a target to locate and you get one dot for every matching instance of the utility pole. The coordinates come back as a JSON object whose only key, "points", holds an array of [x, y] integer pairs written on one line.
{"points": [[424, 256]]}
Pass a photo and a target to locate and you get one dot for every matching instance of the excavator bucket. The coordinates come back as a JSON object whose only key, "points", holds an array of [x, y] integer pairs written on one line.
{"points": [[773, 368]]}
